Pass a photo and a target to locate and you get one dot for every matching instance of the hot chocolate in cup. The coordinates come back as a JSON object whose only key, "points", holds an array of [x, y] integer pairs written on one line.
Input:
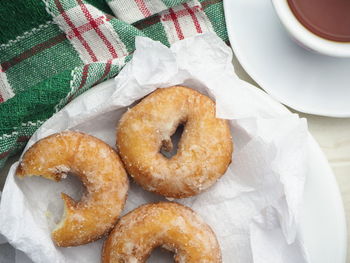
{"points": [[322, 26]]}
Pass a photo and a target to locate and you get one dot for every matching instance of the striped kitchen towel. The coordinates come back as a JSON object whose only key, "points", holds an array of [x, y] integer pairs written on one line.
{"points": [[51, 51]]}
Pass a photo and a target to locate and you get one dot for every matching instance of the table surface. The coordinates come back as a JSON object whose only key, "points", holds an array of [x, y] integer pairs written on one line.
{"points": [[332, 134]]}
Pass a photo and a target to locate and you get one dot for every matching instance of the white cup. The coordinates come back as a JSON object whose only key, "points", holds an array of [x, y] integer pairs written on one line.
{"points": [[305, 37]]}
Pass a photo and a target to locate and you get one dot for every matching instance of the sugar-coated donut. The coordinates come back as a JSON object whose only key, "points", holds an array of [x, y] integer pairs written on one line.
{"points": [[102, 173], [169, 225], [204, 151]]}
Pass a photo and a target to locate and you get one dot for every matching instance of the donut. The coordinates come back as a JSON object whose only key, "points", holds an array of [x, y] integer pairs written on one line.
{"points": [[170, 225], [102, 173], [204, 150]]}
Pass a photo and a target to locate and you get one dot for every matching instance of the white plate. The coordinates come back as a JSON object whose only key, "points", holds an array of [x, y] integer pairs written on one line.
{"points": [[323, 224], [300, 79], [323, 221]]}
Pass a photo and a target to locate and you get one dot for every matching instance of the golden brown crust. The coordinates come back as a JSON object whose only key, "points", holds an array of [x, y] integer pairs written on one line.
{"points": [[98, 166], [204, 151], [170, 225]]}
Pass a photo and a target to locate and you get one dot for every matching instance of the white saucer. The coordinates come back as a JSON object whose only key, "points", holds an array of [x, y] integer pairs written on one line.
{"points": [[298, 78]]}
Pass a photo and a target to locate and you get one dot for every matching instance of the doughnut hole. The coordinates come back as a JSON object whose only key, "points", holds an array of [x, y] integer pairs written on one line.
{"points": [[169, 147], [71, 185], [163, 255]]}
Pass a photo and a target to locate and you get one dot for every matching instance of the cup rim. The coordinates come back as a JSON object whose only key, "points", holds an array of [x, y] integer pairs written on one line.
{"points": [[306, 37]]}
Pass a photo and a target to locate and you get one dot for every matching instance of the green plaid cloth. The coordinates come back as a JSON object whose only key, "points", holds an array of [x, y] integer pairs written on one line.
{"points": [[51, 51]]}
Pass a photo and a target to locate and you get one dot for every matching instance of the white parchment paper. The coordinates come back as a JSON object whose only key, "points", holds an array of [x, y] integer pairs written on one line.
{"points": [[253, 208]]}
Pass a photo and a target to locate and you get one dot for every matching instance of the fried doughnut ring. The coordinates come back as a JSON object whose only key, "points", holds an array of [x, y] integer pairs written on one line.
{"points": [[102, 173], [204, 151], [170, 225]]}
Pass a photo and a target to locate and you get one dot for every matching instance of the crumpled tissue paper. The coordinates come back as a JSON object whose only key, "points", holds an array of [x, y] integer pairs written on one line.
{"points": [[253, 209]]}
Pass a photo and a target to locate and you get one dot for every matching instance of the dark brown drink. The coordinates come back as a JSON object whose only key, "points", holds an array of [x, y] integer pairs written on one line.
{"points": [[329, 19]]}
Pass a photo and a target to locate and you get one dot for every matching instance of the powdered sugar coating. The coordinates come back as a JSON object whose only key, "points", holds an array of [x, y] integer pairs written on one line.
{"points": [[204, 151], [99, 168], [170, 225]]}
